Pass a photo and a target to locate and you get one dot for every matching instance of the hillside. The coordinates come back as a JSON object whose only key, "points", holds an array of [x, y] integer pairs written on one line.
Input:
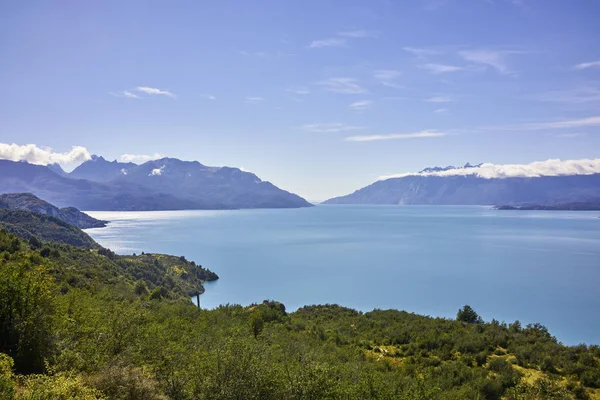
{"points": [[100, 326], [29, 202]]}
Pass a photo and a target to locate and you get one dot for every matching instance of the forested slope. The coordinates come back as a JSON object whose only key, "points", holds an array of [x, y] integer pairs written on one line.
{"points": [[88, 325]]}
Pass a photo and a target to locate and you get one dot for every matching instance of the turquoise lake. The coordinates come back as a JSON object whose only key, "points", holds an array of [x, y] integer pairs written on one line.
{"points": [[534, 266]]}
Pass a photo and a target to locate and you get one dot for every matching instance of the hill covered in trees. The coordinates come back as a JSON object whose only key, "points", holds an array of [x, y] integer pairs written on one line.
{"points": [[29, 202], [88, 324], [41, 228]]}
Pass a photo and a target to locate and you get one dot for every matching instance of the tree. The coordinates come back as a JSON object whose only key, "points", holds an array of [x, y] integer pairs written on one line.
{"points": [[468, 315], [256, 323], [26, 315]]}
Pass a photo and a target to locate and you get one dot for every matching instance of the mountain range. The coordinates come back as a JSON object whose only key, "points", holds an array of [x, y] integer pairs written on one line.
{"points": [[459, 186], [165, 184]]}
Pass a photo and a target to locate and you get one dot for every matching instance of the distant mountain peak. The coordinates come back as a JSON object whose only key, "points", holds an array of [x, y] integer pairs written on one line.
{"points": [[448, 168], [57, 168], [437, 169], [469, 165]]}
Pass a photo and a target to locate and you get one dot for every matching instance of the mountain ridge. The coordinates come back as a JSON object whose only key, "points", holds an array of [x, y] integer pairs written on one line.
{"points": [[470, 189], [165, 184]]}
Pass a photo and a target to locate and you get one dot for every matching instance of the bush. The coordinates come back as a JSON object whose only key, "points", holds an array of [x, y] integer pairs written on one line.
{"points": [[125, 383], [58, 387], [7, 387]]}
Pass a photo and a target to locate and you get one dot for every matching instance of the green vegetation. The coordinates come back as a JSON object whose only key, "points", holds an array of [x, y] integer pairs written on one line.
{"points": [[88, 324]]}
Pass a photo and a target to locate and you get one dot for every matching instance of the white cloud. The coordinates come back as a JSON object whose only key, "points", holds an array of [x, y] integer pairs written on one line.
{"points": [[140, 158], [439, 99], [208, 96], [387, 77], [441, 68], [42, 156], [154, 91], [536, 169], [331, 42], [254, 100], [441, 111], [330, 127], [157, 171], [495, 59], [586, 65], [342, 85], [361, 105], [421, 52], [359, 34], [126, 94], [391, 136]]}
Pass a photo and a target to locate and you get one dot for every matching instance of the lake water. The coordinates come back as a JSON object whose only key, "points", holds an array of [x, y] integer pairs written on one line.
{"points": [[534, 266]]}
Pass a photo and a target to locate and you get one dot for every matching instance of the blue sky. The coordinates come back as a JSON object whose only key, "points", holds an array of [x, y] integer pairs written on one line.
{"points": [[319, 97]]}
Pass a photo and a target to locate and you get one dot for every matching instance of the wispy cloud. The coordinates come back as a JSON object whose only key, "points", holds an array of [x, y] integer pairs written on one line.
{"points": [[394, 136], [584, 94], [254, 99], [264, 54], [331, 42], [361, 105], [586, 65], [154, 91], [536, 169], [570, 135], [441, 68], [439, 99], [208, 96], [126, 94], [301, 91], [495, 59], [441, 111], [387, 77], [42, 155], [342, 85], [140, 158], [421, 52], [572, 123], [549, 125], [330, 127], [359, 34]]}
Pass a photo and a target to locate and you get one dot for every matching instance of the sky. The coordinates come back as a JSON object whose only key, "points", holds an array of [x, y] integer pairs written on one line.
{"points": [[319, 97]]}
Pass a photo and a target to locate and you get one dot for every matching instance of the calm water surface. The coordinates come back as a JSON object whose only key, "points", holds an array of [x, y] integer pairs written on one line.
{"points": [[534, 266]]}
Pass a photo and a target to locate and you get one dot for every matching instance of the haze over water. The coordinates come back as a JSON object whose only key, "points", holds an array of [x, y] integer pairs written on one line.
{"points": [[534, 266]]}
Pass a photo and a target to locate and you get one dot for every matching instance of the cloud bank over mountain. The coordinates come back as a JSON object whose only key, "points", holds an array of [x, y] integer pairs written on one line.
{"points": [[552, 167]]}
